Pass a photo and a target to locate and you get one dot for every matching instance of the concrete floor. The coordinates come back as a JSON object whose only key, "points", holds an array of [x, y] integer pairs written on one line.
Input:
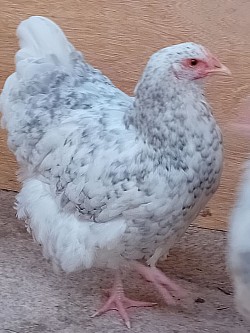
{"points": [[34, 299]]}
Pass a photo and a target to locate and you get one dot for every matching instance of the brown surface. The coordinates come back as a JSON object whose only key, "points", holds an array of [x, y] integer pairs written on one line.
{"points": [[35, 300], [119, 36]]}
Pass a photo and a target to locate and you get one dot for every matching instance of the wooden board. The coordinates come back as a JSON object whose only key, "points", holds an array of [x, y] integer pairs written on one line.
{"points": [[119, 36]]}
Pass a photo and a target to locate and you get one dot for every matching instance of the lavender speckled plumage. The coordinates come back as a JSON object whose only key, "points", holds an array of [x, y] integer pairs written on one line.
{"points": [[107, 176]]}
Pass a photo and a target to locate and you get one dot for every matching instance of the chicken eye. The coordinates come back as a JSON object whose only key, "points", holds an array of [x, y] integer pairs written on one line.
{"points": [[193, 62]]}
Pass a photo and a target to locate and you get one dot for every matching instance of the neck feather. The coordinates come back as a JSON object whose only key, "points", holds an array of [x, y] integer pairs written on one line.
{"points": [[162, 113]]}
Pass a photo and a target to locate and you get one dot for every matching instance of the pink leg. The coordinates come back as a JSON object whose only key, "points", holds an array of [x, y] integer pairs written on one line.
{"points": [[166, 288], [118, 301]]}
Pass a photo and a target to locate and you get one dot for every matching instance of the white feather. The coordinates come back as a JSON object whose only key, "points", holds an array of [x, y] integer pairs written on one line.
{"points": [[69, 243], [41, 38], [239, 245]]}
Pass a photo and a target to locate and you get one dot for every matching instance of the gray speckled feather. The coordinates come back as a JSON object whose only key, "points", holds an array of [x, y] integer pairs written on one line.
{"points": [[106, 175]]}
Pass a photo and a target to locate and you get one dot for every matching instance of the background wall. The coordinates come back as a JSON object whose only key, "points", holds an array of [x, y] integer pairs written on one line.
{"points": [[119, 36]]}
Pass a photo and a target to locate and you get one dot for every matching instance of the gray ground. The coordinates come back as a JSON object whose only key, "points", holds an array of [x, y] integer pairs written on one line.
{"points": [[34, 299]]}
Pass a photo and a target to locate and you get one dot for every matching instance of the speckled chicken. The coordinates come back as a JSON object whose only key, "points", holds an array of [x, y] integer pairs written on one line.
{"points": [[110, 180]]}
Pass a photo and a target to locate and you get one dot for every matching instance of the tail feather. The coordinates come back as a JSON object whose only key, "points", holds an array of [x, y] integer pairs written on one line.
{"points": [[40, 38], [43, 46]]}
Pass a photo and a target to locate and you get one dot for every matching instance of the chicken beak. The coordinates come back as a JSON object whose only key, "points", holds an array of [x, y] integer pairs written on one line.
{"points": [[220, 69]]}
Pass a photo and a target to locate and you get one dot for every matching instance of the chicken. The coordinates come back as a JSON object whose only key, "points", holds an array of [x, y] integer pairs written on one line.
{"points": [[110, 180], [239, 227]]}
